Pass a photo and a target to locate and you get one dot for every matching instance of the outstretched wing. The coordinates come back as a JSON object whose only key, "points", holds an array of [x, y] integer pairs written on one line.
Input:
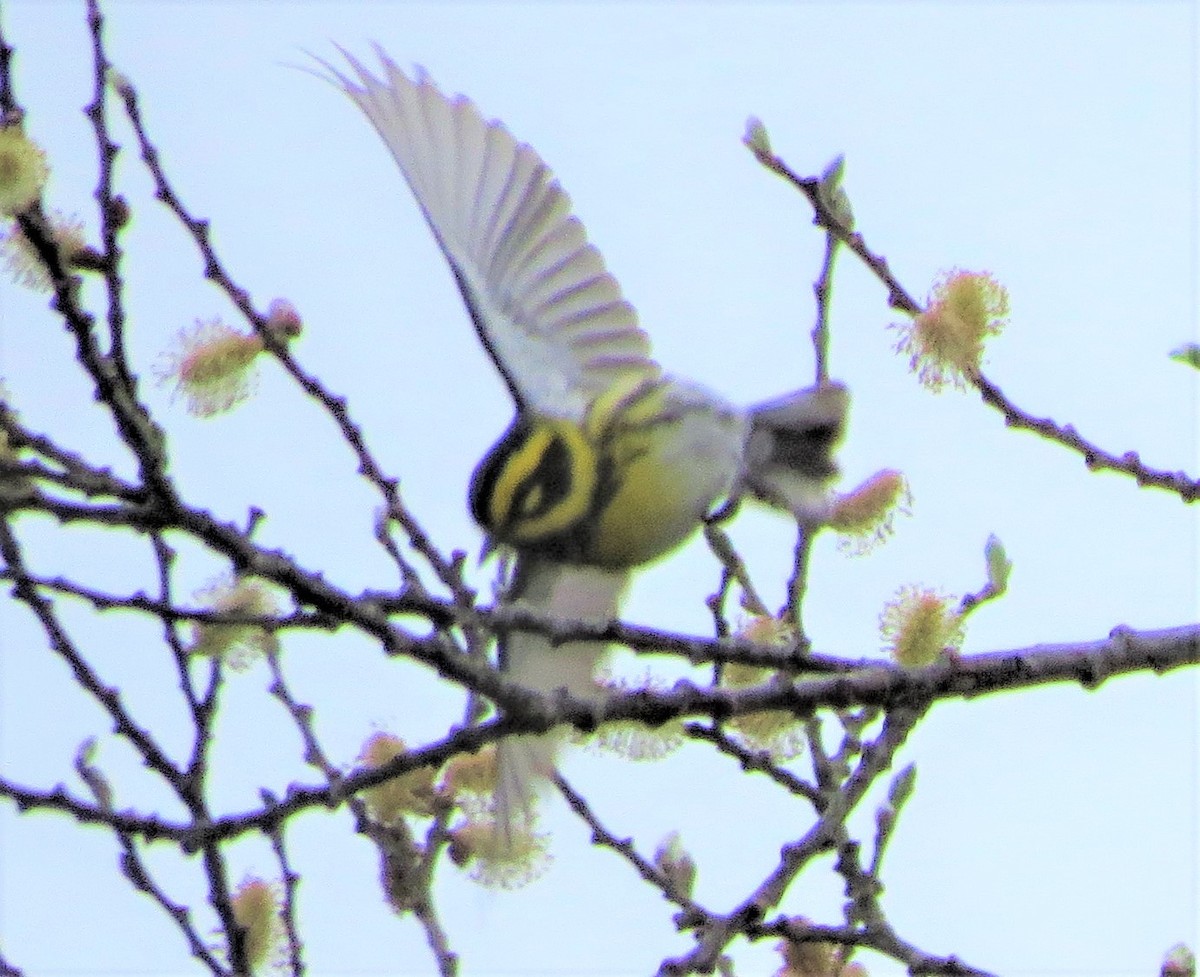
{"points": [[549, 313]]}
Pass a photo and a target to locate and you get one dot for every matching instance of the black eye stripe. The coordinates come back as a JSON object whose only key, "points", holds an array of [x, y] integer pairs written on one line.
{"points": [[548, 484]]}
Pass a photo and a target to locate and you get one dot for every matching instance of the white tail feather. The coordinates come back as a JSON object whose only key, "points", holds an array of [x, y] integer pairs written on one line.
{"points": [[586, 594]]}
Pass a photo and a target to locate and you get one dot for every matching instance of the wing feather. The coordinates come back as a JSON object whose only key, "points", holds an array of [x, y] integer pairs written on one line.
{"points": [[558, 243], [545, 306], [570, 297]]}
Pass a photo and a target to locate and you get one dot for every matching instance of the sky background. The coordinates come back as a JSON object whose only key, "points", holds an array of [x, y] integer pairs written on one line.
{"points": [[1054, 145]]}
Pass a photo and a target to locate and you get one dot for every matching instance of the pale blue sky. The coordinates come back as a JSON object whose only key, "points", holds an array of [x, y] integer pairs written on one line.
{"points": [[1052, 144]]}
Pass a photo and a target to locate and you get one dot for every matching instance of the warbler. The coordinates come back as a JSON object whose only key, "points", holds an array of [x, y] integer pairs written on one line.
{"points": [[609, 463]]}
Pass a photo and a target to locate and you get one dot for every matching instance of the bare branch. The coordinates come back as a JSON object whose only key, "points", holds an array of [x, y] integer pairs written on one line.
{"points": [[1096, 458]]}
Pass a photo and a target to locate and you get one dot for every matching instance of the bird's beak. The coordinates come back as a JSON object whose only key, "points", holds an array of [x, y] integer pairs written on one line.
{"points": [[487, 549]]}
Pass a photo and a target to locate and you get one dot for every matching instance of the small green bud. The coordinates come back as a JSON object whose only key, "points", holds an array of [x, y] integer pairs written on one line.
{"points": [[1188, 353], [676, 865], [834, 194], [756, 138], [999, 566]]}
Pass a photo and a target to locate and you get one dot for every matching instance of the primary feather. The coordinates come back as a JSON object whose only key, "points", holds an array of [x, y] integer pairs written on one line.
{"points": [[545, 307]]}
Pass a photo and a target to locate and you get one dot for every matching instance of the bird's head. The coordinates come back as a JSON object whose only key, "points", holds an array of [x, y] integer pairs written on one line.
{"points": [[536, 484]]}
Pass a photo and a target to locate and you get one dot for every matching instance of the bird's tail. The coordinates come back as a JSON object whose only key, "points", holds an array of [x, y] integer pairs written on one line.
{"points": [[586, 594], [789, 454]]}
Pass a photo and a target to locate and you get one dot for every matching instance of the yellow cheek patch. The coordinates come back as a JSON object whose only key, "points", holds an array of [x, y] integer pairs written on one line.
{"points": [[532, 501], [522, 460]]}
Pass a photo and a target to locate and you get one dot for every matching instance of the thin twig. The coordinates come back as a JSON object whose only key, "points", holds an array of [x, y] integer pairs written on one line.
{"points": [[824, 217], [291, 887], [134, 869], [751, 761], [85, 675], [112, 215], [693, 912], [823, 291], [1095, 457]]}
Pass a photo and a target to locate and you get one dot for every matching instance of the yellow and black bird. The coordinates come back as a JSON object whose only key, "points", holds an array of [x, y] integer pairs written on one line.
{"points": [[609, 463]]}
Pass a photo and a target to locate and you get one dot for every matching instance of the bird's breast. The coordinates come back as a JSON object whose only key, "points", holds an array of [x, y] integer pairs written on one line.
{"points": [[668, 455]]}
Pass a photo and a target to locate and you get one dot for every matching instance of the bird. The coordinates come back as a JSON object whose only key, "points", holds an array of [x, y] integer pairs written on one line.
{"points": [[609, 463]]}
